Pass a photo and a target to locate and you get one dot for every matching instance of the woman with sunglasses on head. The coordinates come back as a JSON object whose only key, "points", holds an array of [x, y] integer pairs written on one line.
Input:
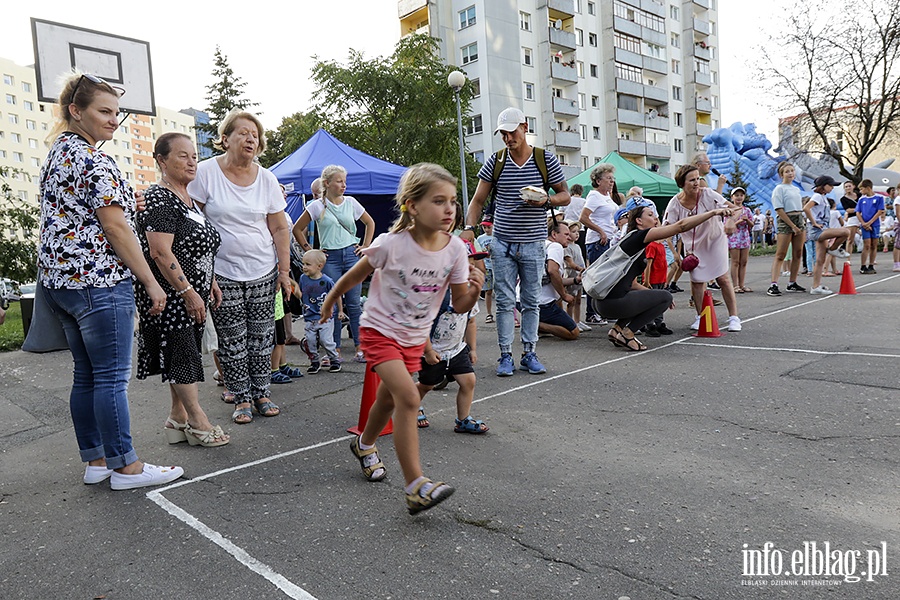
{"points": [[87, 256]]}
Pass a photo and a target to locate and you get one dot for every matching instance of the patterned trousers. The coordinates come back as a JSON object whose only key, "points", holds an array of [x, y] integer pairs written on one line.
{"points": [[245, 324]]}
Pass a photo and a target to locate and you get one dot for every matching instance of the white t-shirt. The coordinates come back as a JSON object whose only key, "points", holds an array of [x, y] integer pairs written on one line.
{"points": [[834, 219], [573, 210], [239, 215], [449, 337], [759, 222], [555, 252], [602, 210], [821, 211]]}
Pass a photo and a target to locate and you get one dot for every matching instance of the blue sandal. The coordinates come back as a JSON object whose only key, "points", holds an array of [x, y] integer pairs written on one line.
{"points": [[292, 372], [470, 425], [242, 412], [264, 408]]}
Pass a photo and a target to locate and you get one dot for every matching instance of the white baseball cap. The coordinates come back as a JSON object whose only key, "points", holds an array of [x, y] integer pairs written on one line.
{"points": [[509, 119]]}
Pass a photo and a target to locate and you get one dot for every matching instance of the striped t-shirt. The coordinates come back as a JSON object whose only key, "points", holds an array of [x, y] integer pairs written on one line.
{"points": [[515, 221]]}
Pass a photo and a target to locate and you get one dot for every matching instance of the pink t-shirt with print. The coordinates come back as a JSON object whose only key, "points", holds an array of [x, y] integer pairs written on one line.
{"points": [[409, 284]]}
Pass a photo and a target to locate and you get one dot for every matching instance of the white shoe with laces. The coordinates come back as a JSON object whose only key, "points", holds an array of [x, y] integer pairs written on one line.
{"points": [[151, 475], [820, 291], [734, 323]]}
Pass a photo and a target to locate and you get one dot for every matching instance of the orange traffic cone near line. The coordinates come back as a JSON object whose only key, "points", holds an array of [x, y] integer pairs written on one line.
{"points": [[709, 325], [847, 285], [370, 387]]}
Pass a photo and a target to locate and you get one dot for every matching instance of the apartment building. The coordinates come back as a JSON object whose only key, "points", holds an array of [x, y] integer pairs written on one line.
{"points": [[25, 124], [636, 76]]}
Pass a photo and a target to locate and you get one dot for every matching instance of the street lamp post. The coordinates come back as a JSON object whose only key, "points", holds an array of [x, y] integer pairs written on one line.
{"points": [[456, 80]]}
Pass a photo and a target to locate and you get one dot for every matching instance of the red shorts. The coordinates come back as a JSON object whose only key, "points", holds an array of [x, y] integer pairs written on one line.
{"points": [[379, 348]]}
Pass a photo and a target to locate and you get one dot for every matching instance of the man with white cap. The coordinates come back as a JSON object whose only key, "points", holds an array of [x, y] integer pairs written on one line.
{"points": [[520, 227]]}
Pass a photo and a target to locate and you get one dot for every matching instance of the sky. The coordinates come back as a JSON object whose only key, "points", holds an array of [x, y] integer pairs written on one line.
{"points": [[271, 48]]}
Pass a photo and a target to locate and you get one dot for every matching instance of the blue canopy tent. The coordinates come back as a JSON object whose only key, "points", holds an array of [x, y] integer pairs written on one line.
{"points": [[370, 180]]}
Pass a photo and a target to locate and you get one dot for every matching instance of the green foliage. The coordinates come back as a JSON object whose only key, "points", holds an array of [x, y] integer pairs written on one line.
{"points": [[224, 95], [737, 180], [12, 333], [398, 108], [18, 253]]}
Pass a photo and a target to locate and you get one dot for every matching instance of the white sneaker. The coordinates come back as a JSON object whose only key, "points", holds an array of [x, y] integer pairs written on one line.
{"points": [[785, 273], [820, 291], [734, 323], [840, 253], [94, 475], [584, 326], [696, 325], [151, 475]]}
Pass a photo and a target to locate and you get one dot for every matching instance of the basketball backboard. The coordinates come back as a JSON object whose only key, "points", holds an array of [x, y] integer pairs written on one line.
{"points": [[123, 62]]}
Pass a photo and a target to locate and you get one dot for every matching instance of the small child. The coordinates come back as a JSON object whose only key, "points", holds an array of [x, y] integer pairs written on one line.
{"points": [[655, 278], [404, 298], [574, 259], [486, 240], [451, 351], [314, 287], [282, 372]]}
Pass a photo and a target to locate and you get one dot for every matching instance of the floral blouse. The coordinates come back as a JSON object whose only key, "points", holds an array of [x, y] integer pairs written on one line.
{"points": [[76, 180]]}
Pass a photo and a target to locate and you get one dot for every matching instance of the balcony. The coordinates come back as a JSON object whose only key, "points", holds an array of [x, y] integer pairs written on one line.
{"points": [[659, 150], [564, 7], [703, 130], [565, 106], [632, 148], [654, 64], [654, 37], [704, 105], [567, 139], [629, 58], [702, 79], [655, 94], [702, 27], [657, 122], [562, 38], [563, 73], [628, 27], [654, 7], [630, 117], [632, 88], [704, 4], [408, 7], [701, 52]]}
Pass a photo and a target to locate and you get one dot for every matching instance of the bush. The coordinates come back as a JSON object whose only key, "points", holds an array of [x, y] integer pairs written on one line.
{"points": [[12, 334]]}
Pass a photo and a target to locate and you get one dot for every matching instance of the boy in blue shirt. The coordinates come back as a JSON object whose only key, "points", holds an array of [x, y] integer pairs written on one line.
{"points": [[869, 210], [314, 286]]}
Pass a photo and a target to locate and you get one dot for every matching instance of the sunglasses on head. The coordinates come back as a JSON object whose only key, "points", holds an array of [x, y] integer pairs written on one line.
{"points": [[96, 81]]}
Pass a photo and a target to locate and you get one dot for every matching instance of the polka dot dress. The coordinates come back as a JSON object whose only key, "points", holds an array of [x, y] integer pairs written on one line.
{"points": [[169, 343]]}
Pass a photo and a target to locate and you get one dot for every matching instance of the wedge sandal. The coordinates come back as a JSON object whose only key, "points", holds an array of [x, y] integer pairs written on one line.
{"points": [[369, 456], [416, 503]]}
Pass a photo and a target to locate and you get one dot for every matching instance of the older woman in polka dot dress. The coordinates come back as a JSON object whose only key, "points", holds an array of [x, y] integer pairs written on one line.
{"points": [[180, 245]]}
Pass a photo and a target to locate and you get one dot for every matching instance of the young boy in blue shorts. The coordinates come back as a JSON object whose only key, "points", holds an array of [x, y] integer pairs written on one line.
{"points": [[869, 210]]}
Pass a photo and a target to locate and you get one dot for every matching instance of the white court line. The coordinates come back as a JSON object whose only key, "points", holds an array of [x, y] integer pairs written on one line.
{"points": [[798, 350], [294, 591]]}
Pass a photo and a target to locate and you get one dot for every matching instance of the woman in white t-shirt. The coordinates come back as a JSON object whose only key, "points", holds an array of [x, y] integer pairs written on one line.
{"points": [[597, 217], [335, 216], [245, 204]]}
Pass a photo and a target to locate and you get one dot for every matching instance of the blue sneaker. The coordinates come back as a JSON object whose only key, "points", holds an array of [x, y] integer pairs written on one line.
{"points": [[531, 364], [505, 368]]}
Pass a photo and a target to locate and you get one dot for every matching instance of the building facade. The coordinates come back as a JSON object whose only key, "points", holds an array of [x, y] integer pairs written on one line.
{"points": [[26, 123], [636, 76]]}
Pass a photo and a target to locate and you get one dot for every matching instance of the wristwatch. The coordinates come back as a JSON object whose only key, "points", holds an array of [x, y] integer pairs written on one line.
{"points": [[469, 228]]}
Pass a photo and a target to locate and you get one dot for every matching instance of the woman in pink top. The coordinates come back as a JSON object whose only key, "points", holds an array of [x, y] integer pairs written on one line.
{"points": [[404, 298]]}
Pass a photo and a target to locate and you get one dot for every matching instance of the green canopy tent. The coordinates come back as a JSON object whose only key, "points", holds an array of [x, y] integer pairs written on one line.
{"points": [[657, 188]]}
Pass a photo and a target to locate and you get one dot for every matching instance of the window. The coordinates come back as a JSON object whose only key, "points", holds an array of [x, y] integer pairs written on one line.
{"points": [[712, 27], [676, 66], [592, 8], [2, 153], [127, 160], [580, 67], [532, 124], [596, 131], [627, 102], [674, 12], [654, 51], [714, 76], [15, 137], [678, 119], [675, 40], [581, 101], [32, 143], [28, 104], [595, 101], [715, 101], [625, 134], [628, 73], [478, 155], [529, 91], [592, 39], [8, 79], [126, 145], [679, 145], [640, 17], [23, 195], [469, 53], [474, 126], [18, 157], [583, 131], [579, 37], [10, 99], [527, 58], [701, 66], [476, 87], [525, 21], [595, 72], [467, 17], [676, 92], [35, 162]]}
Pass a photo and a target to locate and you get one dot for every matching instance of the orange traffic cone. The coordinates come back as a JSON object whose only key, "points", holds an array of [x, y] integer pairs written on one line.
{"points": [[709, 325], [370, 387], [847, 285]]}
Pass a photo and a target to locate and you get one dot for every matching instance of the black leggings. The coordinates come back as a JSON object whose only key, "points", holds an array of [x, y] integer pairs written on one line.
{"points": [[636, 308]]}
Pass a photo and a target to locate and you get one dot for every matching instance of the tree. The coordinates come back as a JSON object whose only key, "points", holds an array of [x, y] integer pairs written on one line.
{"points": [[18, 251], [290, 135], [398, 108], [839, 65], [736, 179], [223, 96]]}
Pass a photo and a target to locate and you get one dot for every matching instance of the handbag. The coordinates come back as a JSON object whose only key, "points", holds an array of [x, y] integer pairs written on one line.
{"points": [[608, 270]]}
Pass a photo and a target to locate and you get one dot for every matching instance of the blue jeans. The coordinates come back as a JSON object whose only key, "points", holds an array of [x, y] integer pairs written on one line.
{"points": [[99, 326], [339, 262], [810, 254], [594, 251], [522, 262]]}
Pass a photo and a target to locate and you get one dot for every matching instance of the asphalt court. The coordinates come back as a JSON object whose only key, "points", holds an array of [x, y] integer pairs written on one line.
{"points": [[615, 475]]}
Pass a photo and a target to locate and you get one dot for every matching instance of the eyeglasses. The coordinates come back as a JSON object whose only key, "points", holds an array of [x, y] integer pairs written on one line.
{"points": [[96, 81]]}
